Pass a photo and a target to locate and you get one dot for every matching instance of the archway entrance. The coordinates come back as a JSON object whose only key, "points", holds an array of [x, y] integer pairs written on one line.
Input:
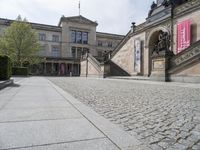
{"points": [[153, 40], [154, 43]]}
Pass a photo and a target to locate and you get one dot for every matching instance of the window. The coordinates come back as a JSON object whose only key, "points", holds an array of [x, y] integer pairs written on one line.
{"points": [[100, 43], [85, 37], [42, 36], [55, 51], [78, 37], [85, 50], [55, 38], [109, 44], [42, 51], [73, 36], [73, 52], [79, 51]]}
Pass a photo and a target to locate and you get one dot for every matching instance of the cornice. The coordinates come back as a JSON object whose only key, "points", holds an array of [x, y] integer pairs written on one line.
{"points": [[38, 26], [187, 7], [109, 35]]}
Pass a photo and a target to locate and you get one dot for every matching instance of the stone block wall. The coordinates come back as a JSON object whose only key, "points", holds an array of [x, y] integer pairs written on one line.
{"points": [[195, 27], [90, 70], [125, 57]]}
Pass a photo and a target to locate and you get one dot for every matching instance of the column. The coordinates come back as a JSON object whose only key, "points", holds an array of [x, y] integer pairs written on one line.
{"points": [[45, 68], [66, 69], [59, 68], [72, 69], [52, 67], [76, 52], [78, 69]]}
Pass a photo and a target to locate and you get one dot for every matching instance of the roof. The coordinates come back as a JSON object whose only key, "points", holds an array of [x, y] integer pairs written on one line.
{"points": [[77, 19], [38, 26], [111, 35]]}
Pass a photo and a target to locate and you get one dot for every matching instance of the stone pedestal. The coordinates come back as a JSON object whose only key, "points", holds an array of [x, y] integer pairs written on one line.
{"points": [[106, 69], [160, 65]]}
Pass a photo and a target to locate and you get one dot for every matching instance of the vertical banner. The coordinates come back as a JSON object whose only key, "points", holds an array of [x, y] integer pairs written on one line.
{"points": [[62, 69], [183, 35], [137, 60]]}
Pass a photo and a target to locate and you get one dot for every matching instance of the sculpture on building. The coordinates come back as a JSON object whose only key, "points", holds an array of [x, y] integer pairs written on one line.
{"points": [[153, 6], [167, 3], [163, 43], [106, 55]]}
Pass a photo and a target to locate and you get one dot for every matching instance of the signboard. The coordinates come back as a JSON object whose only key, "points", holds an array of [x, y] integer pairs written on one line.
{"points": [[183, 35], [137, 60]]}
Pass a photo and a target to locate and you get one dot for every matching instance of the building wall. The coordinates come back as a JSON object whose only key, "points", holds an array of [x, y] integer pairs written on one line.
{"points": [[64, 43], [46, 45], [125, 57], [106, 39], [192, 71], [66, 36], [88, 69], [195, 26]]}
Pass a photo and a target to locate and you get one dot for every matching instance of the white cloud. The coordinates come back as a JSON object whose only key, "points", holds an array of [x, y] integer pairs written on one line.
{"points": [[113, 16]]}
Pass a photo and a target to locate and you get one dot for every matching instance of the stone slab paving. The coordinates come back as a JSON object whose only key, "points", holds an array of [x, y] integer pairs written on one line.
{"points": [[160, 115], [37, 115]]}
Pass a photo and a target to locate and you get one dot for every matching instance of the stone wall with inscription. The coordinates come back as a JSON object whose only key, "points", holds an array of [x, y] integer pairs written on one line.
{"points": [[191, 71], [186, 65]]}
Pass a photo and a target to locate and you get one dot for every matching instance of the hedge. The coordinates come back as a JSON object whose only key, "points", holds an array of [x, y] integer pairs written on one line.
{"points": [[20, 71], [5, 67]]}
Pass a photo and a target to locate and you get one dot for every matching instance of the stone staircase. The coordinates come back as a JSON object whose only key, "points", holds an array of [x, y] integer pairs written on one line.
{"points": [[91, 67], [115, 70], [94, 62]]}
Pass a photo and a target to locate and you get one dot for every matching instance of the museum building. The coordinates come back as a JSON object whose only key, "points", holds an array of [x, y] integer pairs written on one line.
{"points": [[63, 46], [166, 47]]}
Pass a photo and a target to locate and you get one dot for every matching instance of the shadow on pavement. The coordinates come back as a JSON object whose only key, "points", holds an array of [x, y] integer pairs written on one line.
{"points": [[15, 85]]}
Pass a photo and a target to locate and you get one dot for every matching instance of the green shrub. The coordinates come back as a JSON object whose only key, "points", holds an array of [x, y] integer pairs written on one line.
{"points": [[20, 71], [5, 67]]}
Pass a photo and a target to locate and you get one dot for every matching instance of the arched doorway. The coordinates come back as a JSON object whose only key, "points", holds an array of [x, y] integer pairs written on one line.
{"points": [[152, 40]]}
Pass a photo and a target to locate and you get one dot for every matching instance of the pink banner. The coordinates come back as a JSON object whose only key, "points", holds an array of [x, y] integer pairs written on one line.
{"points": [[183, 35], [62, 69]]}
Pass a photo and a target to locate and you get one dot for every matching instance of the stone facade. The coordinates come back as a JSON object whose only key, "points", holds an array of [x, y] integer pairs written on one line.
{"points": [[161, 18], [106, 43], [62, 46]]}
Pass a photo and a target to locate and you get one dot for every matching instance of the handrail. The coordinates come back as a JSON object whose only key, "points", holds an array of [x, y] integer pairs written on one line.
{"points": [[96, 64], [94, 59]]}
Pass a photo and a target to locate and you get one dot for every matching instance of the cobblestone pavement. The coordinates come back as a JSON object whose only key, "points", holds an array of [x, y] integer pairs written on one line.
{"points": [[162, 115]]}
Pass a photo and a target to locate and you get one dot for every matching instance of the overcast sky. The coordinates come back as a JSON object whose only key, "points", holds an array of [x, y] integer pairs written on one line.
{"points": [[113, 16]]}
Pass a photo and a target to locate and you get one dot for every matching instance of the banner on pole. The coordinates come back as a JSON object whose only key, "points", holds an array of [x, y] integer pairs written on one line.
{"points": [[137, 62]]}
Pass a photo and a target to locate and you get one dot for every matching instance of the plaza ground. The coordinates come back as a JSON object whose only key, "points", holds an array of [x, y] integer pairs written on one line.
{"points": [[37, 115], [161, 115], [84, 113]]}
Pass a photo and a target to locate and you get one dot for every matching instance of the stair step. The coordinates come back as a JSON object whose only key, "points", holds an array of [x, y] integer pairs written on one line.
{"points": [[129, 77]]}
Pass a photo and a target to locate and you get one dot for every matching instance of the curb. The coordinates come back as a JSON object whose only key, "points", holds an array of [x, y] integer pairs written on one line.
{"points": [[120, 138], [4, 84]]}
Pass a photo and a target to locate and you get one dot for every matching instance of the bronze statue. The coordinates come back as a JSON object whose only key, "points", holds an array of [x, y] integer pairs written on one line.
{"points": [[163, 42], [167, 3], [153, 6]]}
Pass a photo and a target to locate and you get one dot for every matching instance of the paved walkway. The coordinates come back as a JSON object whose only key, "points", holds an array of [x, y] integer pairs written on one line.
{"points": [[37, 115], [166, 116]]}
